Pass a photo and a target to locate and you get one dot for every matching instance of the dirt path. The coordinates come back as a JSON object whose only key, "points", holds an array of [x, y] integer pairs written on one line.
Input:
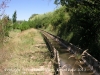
{"points": [[25, 54]]}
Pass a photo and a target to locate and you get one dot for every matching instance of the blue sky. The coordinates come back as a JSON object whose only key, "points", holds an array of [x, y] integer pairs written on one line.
{"points": [[25, 8]]}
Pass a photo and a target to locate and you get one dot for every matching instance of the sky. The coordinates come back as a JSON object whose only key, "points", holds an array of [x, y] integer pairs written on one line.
{"points": [[25, 8]]}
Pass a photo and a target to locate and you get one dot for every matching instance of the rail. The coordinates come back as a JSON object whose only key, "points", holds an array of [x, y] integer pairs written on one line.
{"points": [[84, 59]]}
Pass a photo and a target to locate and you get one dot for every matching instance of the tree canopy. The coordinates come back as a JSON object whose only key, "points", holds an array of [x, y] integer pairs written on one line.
{"points": [[84, 23], [14, 17]]}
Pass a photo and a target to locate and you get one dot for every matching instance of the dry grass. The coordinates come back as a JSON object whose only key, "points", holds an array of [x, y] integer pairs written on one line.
{"points": [[24, 53]]}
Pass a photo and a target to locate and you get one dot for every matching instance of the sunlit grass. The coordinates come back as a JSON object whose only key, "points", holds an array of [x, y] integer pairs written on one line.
{"points": [[24, 51]]}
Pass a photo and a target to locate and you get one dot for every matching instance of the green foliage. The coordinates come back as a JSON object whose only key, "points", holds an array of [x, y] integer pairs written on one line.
{"points": [[23, 26], [39, 21], [32, 16], [84, 23], [14, 17], [5, 25], [7, 28], [77, 21], [16, 26], [54, 18]]}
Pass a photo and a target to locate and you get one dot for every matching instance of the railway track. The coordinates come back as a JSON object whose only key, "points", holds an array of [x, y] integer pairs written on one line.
{"points": [[69, 59]]}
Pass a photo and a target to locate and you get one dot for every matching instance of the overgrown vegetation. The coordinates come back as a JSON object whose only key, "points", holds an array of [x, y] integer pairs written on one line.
{"points": [[26, 53], [5, 22], [14, 17], [76, 21], [84, 24]]}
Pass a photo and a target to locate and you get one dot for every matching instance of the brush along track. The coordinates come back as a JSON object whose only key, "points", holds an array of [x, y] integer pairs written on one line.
{"points": [[70, 60]]}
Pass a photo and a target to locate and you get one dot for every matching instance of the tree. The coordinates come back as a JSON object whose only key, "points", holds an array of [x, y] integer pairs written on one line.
{"points": [[33, 15], [84, 23], [3, 21], [14, 17]]}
